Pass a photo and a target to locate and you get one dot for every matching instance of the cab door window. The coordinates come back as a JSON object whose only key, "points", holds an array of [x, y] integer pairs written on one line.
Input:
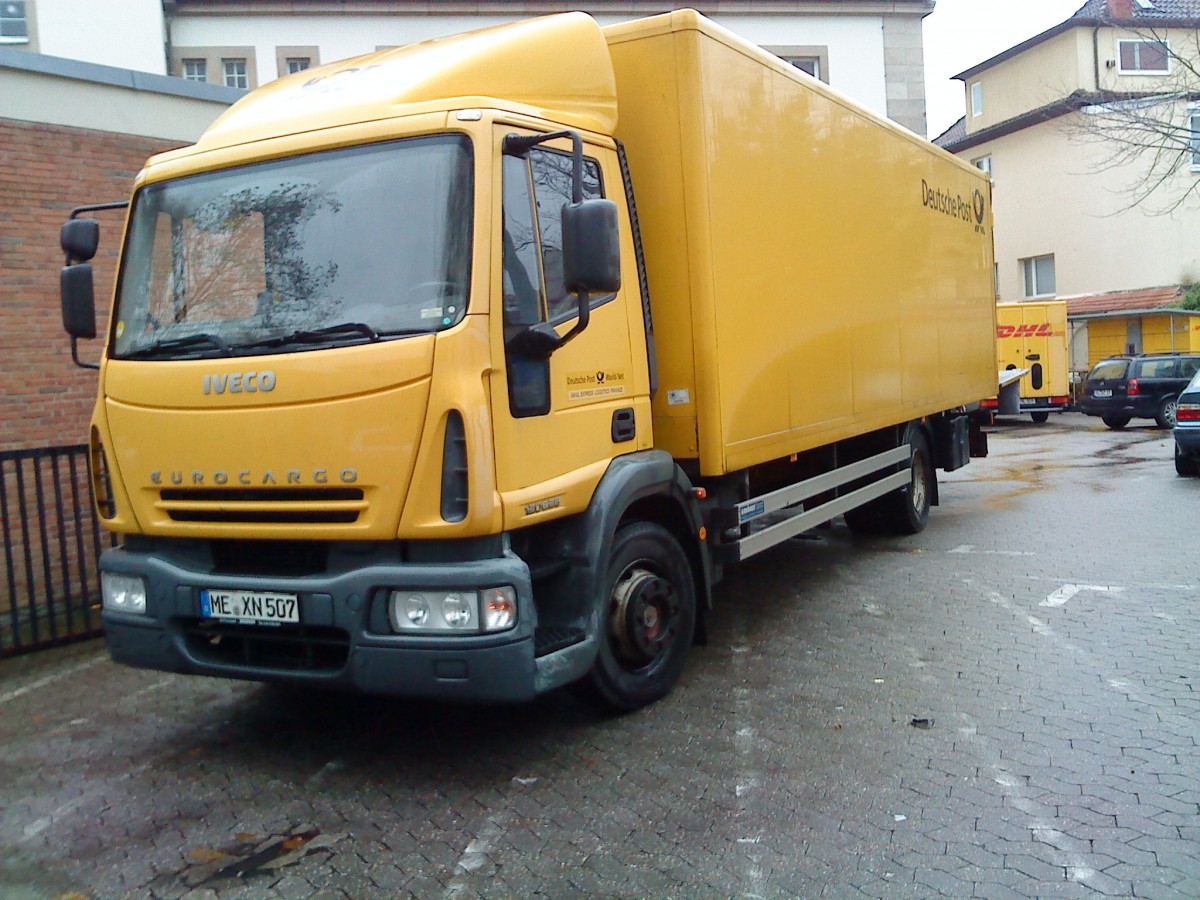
{"points": [[535, 189]]}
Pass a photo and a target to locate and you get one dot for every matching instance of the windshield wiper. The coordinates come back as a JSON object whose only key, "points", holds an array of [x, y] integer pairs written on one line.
{"points": [[316, 335], [180, 343], [342, 328]]}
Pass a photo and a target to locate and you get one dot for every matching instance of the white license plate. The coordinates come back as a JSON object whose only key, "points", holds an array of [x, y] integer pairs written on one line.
{"points": [[1104, 393], [256, 607]]}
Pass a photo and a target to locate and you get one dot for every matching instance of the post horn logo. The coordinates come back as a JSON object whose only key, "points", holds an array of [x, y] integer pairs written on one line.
{"points": [[980, 206]]}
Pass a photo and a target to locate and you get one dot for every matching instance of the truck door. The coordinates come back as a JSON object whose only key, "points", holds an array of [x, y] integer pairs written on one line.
{"points": [[560, 420]]}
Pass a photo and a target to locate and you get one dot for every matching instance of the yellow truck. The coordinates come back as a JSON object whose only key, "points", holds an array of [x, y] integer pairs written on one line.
{"points": [[1031, 338], [463, 370]]}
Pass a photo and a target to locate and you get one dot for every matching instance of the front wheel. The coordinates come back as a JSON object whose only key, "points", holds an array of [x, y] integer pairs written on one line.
{"points": [[648, 619], [1040, 416], [1165, 417], [1115, 422]]}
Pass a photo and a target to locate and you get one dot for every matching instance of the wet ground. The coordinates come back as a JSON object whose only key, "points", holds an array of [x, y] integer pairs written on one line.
{"points": [[1002, 706]]}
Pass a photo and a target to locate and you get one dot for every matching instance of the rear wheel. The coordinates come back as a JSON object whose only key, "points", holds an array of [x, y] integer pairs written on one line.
{"points": [[1165, 417], [648, 619], [1040, 416], [906, 509], [1117, 422], [1185, 465]]}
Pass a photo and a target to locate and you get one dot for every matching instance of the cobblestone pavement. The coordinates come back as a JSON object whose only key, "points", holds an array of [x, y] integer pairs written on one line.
{"points": [[1002, 706]]}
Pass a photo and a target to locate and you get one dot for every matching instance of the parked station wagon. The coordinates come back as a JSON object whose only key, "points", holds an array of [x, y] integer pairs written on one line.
{"points": [[1146, 386]]}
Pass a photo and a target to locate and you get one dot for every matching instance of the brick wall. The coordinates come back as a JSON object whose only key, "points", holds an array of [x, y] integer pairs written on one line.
{"points": [[45, 171]]}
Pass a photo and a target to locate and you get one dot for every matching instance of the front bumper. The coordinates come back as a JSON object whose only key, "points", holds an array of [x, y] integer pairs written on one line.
{"points": [[343, 639]]}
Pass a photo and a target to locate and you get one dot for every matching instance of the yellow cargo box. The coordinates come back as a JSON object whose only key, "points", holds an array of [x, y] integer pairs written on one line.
{"points": [[815, 271]]}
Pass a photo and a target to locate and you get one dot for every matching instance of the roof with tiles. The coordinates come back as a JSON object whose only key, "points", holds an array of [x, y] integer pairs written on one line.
{"points": [[1124, 10], [1124, 301]]}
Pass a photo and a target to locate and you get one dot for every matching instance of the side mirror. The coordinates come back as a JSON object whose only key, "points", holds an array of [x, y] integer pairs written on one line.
{"points": [[78, 300], [591, 247], [80, 238]]}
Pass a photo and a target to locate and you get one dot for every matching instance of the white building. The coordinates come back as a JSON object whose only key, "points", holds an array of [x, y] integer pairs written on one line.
{"points": [[870, 50], [129, 34]]}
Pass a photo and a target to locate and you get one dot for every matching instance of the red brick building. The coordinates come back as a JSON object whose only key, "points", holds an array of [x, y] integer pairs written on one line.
{"points": [[71, 134]]}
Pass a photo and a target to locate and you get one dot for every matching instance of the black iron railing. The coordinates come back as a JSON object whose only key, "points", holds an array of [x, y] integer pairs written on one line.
{"points": [[52, 541]]}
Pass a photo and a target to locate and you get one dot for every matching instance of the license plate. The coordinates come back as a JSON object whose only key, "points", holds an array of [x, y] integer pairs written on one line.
{"points": [[256, 607], [1103, 393]]}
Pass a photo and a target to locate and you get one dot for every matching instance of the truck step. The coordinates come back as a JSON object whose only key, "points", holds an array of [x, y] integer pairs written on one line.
{"points": [[549, 640]]}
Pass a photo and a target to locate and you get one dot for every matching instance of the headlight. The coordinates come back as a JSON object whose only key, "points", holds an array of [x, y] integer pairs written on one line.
{"points": [[452, 612], [123, 593]]}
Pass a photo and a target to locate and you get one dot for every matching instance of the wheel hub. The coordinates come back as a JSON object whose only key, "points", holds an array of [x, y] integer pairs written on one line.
{"points": [[643, 616]]}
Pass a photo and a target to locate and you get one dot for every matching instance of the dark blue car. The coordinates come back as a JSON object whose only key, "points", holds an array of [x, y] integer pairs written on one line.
{"points": [[1145, 386]]}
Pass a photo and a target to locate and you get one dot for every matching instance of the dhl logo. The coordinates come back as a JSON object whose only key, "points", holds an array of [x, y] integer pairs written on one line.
{"points": [[1026, 331]]}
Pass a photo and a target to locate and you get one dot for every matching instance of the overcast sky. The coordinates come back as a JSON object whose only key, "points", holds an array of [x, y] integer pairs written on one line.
{"points": [[961, 33]]}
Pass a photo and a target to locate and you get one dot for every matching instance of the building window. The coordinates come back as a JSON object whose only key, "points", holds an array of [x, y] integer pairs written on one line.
{"points": [[983, 164], [14, 26], [1039, 276], [235, 73], [1194, 136], [1143, 57], [977, 98], [809, 64], [810, 59], [290, 59], [195, 69]]}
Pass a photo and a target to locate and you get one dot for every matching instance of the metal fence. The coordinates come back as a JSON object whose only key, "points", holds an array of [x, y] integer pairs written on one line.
{"points": [[52, 541]]}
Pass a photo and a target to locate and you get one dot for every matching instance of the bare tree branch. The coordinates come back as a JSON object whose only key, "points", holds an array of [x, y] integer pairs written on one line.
{"points": [[1147, 136]]}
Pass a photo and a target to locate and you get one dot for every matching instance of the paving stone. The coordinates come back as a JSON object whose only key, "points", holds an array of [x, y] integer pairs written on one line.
{"points": [[1062, 760]]}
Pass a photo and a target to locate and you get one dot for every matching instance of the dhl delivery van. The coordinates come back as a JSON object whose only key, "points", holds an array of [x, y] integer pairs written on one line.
{"points": [[463, 370], [1032, 337]]}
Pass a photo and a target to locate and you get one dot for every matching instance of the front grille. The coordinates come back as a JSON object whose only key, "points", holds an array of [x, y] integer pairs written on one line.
{"points": [[288, 506], [284, 648]]}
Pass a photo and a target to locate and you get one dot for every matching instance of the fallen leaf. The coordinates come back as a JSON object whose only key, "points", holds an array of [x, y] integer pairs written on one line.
{"points": [[206, 854]]}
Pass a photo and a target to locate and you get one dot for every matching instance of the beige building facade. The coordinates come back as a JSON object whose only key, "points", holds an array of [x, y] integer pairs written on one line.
{"points": [[1063, 224], [1074, 218]]}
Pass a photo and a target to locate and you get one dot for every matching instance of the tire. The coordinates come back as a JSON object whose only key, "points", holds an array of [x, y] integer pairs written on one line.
{"points": [[1165, 417], [1115, 422], [647, 620], [1040, 416], [1185, 465], [906, 510]]}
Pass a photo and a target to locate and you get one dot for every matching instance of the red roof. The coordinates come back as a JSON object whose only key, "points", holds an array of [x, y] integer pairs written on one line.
{"points": [[1119, 301]]}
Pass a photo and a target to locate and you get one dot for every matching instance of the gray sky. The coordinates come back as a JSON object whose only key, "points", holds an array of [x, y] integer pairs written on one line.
{"points": [[961, 33]]}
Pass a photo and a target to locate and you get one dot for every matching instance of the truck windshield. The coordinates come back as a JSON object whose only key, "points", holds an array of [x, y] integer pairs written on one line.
{"points": [[326, 249]]}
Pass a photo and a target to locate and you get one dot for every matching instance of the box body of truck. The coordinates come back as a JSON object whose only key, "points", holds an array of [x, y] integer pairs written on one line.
{"points": [[816, 272], [1032, 337], [461, 370]]}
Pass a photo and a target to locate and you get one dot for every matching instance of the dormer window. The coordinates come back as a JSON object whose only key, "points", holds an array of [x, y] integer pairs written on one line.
{"points": [[1143, 57], [977, 98]]}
